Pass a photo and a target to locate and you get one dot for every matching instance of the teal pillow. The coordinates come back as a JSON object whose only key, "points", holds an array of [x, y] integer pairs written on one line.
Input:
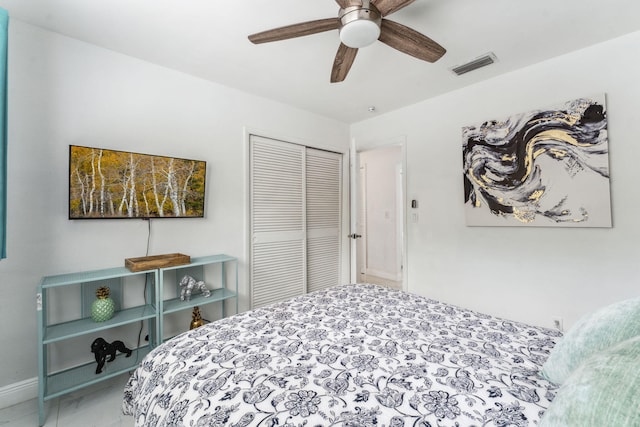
{"points": [[597, 331], [603, 391]]}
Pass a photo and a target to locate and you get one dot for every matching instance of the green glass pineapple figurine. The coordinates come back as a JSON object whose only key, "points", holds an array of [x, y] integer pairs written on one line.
{"points": [[103, 307]]}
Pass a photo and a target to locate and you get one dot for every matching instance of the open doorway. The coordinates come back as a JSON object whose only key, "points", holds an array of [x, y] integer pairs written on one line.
{"points": [[380, 216]]}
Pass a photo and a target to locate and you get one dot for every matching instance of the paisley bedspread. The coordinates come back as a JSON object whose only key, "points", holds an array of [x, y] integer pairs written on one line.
{"points": [[353, 355]]}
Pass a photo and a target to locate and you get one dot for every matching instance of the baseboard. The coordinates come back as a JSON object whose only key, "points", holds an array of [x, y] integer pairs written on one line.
{"points": [[384, 275], [19, 392]]}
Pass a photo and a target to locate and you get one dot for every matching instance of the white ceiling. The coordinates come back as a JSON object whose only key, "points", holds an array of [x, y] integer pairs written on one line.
{"points": [[208, 39]]}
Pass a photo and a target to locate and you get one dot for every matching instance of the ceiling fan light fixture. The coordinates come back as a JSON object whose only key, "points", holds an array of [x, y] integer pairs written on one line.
{"points": [[359, 34], [360, 26], [360, 23]]}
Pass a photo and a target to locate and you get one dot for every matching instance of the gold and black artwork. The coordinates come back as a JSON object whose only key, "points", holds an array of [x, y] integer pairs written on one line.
{"points": [[544, 168]]}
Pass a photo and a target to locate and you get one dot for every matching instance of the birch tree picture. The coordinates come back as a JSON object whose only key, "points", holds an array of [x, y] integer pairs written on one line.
{"points": [[117, 184]]}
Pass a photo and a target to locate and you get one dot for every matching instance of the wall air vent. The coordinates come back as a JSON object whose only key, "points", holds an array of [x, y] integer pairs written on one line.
{"points": [[480, 62]]}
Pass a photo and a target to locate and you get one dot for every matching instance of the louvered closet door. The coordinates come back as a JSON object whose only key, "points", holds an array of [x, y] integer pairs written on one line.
{"points": [[324, 207], [278, 225], [296, 195]]}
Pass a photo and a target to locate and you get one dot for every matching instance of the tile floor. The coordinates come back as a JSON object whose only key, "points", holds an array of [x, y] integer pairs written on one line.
{"points": [[95, 406]]}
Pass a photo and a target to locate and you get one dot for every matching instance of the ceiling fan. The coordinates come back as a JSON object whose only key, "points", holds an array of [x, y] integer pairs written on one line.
{"points": [[360, 22]]}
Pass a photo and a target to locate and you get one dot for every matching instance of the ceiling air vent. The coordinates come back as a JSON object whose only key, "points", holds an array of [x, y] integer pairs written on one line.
{"points": [[480, 62]]}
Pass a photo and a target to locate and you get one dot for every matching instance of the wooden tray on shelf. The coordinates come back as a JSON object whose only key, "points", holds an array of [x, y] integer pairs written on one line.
{"points": [[156, 261]]}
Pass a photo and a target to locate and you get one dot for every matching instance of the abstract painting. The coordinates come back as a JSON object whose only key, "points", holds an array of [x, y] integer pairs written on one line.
{"points": [[544, 168]]}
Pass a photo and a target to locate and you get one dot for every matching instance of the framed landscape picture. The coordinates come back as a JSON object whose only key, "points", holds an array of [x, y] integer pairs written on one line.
{"points": [[107, 184]]}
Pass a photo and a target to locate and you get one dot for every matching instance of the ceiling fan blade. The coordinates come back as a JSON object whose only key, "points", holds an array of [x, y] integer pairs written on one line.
{"points": [[347, 3], [410, 41], [295, 30], [387, 7], [342, 63]]}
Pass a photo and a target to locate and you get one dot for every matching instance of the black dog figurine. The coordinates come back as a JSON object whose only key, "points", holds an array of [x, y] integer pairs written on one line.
{"points": [[102, 349]]}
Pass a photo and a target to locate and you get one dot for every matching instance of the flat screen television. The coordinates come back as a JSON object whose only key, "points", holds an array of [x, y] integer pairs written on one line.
{"points": [[110, 184]]}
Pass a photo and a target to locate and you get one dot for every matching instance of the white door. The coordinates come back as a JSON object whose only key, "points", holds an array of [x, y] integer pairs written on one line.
{"points": [[278, 221], [378, 203], [295, 216], [324, 207], [354, 206], [361, 224]]}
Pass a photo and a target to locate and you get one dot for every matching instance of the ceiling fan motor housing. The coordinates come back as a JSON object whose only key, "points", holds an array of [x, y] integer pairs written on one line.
{"points": [[360, 25]]}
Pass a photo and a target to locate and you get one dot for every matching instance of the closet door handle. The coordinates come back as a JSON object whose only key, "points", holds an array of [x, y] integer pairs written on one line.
{"points": [[354, 236]]}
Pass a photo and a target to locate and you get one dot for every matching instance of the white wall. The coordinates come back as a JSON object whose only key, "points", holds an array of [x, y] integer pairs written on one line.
{"points": [[520, 273], [63, 92]]}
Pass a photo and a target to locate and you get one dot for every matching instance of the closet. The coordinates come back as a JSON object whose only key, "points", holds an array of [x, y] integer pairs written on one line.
{"points": [[295, 219]]}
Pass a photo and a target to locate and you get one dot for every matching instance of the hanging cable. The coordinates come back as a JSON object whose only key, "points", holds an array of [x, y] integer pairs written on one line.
{"points": [[146, 282], [148, 235]]}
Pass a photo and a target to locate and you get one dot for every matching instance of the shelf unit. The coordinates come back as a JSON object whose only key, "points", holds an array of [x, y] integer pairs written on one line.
{"points": [[55, 384], [196, 269]]}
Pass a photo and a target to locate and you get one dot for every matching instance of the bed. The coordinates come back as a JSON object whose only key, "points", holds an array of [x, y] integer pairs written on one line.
{"points": [[353, 355]]}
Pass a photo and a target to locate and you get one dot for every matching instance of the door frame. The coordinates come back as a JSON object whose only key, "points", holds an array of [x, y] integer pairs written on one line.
{"points": [[401, 204]]}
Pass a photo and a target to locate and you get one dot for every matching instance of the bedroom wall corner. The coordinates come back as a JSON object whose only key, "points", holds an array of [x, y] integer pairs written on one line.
{"points": [[526, 274], [63, 91]]}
